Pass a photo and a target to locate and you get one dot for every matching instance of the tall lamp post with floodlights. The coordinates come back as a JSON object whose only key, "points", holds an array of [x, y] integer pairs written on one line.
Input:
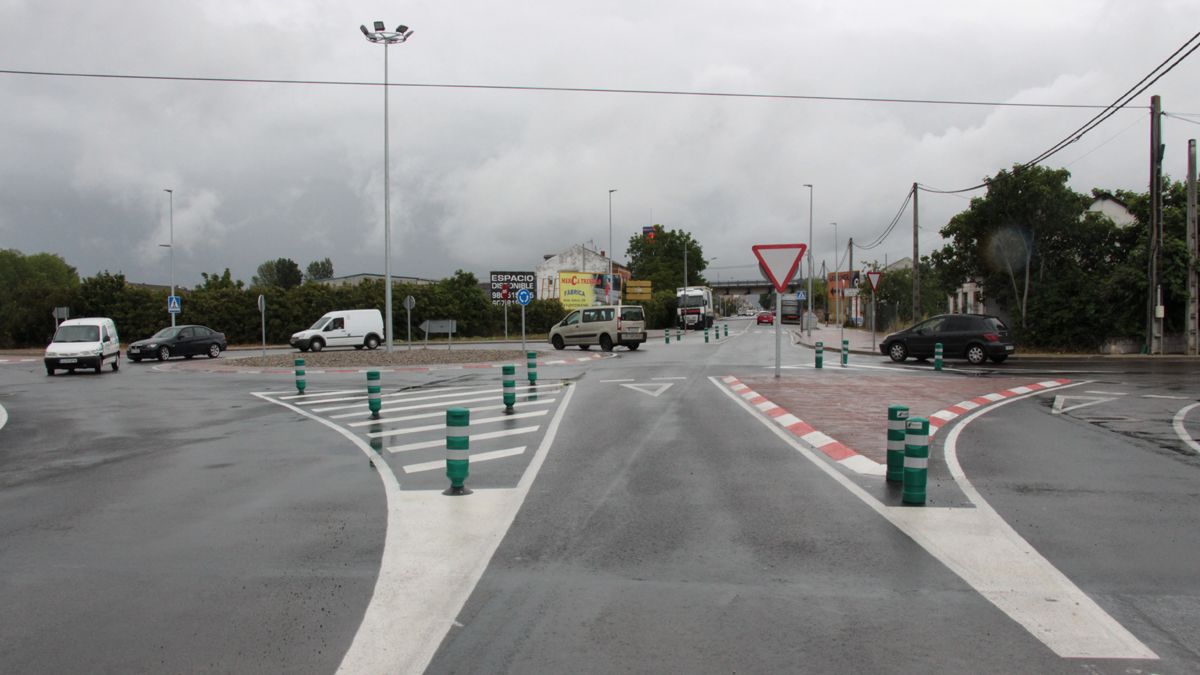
{"points": [[386, 38], [171, 249], [808, 320], [609, 290]]}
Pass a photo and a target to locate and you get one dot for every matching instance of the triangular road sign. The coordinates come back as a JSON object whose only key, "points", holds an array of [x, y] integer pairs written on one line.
{"points": [[873, 277], [779, 262], [1061, 407], [654, 390]]}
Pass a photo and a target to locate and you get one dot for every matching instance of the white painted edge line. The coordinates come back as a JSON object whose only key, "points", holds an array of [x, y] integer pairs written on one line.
{"points": [[481, 457], [1109, 639], [1177, 422], [3, 417]]}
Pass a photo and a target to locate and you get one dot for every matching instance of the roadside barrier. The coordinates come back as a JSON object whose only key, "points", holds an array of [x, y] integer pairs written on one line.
{"points": [[300, 383], [897, 416], [510, 388], [374, 398], [820, 354], [531, 367], [937, 356], [916, 460], [458, 444], [845, 352]]}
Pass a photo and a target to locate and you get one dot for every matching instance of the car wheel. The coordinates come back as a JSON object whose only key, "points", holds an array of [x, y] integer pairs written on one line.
{"points": [[116, 364], [163, 353], [976, 355], [317, 345], [100, 367], [606, 342], [898, 352], [633, 346], [49, 371], [372, 342], [558, 343], [999, 359], [214, 350], [304, 349]]}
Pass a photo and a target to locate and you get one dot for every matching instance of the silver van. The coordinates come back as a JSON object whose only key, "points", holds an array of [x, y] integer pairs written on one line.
{"points": [[604, 325]]}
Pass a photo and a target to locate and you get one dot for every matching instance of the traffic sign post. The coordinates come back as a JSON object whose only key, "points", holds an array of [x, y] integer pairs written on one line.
{"points": [[779, 263], [262, 310], [409, 303], [524, 297], [873, 277]]}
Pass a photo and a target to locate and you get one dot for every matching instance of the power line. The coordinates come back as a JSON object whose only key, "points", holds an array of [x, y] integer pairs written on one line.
{"points": [[891, 226], [1181, 119], [533, 88]]}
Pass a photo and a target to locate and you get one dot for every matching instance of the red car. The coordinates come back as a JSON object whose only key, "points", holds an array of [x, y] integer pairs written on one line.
{"points": [[765, 317]]}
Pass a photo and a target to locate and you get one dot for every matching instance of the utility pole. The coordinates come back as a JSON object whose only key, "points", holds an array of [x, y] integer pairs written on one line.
{"points": [[1154, 309], [1193, 315], [850, 271], [916, 260]]}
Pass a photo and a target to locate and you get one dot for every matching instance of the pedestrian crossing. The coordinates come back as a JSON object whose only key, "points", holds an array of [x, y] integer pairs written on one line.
{"points": [[410, 432]]}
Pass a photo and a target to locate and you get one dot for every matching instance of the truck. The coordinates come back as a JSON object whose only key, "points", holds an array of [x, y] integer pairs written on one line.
{"points": [[790, 311], [694, 307]]}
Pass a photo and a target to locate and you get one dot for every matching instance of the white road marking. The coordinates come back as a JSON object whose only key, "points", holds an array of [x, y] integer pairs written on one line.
{"points": [[315, 394], [1177, 423], [668, 378], [990, 556], [654, 390], [1060, 403], [1169, 398], [438, 404], [1104, 393], [481, 457], [433, 427], [401, 397], [3, 417], [628, 380], [441, 442], [442, 413]]}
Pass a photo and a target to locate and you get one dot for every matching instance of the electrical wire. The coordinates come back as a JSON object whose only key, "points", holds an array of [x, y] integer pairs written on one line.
{"points": [[587, 90], [1181, 119], [891, 226]]}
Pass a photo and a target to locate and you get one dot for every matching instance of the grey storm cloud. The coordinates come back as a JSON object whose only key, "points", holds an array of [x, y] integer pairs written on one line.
{"points": [[485, 179]]}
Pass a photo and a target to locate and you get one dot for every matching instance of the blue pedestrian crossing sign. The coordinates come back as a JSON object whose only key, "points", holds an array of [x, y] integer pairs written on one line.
{"points": [[173, 305], [524, 296], [801, 295]]}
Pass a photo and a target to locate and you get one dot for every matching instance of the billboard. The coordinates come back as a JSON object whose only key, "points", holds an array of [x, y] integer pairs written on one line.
{"points": [[515, 281], [584, 289]]}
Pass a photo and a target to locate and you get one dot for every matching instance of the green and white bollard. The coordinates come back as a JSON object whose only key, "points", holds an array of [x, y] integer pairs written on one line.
{"points": [[678, 334], [706, 335], [667, 336], [510, 388], [531, 367], [820, 354], [717, 333], [374, 398], [845, 353], [897, 416], [726, 330], [937, 356], [458, 444], [916, 460], [300, 384]]}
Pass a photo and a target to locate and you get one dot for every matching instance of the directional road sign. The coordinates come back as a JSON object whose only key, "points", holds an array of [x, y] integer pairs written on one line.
{"points": [[779, 262]]}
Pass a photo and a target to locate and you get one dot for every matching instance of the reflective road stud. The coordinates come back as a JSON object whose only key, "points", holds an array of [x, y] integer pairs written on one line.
{"points": [[937, 356], [531, 366], [458, 443], [897, 416], [916, 460], [374, 401], [820, 354], [300, 375], [510, 388], [845, 352]]}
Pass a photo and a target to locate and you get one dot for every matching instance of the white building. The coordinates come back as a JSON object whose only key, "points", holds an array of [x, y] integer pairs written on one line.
{"points": [[578, 258]]}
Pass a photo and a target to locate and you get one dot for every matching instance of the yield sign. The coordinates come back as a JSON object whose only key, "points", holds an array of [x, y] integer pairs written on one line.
{"points": [[654, 390], [873, 277], [779, 262]]}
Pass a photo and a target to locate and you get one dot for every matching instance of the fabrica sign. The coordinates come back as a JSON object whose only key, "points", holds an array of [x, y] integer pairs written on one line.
{"points": [[515, 281]]}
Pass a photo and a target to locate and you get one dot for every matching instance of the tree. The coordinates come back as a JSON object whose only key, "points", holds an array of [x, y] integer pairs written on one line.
{"points": [[320, 269], [33, 286], [281, 273], [214, 281]]}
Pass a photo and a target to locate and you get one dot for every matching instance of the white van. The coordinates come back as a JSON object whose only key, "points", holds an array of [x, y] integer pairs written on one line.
{"points": [[604, 325], [356, 328], [84, 343]]}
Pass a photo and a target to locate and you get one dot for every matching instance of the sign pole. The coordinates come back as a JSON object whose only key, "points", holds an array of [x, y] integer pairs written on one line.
{"points": [[506, 320], [874, 312], [262, 310], [778, 328], [522, 327]]}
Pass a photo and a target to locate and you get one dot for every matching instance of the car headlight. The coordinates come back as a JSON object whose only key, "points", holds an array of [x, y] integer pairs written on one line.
{"points": [[152, 345]]}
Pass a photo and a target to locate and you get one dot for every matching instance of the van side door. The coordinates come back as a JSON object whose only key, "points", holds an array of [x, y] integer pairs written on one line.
{"points": [[335, 333]]}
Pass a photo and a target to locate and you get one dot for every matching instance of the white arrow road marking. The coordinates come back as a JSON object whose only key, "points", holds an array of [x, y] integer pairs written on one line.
{"points": [[1061, 407], [1177, 423], [989, 555], [654, 390], [481, 457]]}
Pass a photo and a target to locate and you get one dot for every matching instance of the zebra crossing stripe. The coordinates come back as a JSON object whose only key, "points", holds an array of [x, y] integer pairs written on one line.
{"points": [[473, 437], [474, 423], [426, 416], [476, 458]]}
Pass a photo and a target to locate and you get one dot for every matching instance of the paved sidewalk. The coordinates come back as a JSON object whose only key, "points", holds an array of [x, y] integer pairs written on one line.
{"points": [[832, 336]]}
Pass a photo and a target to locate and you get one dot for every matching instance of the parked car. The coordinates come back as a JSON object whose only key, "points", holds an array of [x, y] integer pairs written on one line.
{"points": [[605, 325], [356, 328], [185, 341], [83, 343], [765, 317], [975, 337]]}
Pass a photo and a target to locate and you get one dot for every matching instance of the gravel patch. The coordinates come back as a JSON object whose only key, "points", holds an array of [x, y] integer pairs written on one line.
{"points": [[365, 358]]}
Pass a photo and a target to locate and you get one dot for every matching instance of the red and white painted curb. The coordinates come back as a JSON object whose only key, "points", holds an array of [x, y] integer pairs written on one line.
{"points": [[844, 454], [249, 370]]}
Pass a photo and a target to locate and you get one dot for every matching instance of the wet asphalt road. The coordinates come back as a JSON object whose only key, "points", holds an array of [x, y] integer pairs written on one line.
{"points": [[173, 522]]}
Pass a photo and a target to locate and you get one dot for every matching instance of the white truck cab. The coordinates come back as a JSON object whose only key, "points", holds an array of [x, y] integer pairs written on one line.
{"points": [[84, 343], [356, 328]]}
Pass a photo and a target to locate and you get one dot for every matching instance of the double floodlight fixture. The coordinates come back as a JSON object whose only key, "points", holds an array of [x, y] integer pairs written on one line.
{"points": [[381, 34]]}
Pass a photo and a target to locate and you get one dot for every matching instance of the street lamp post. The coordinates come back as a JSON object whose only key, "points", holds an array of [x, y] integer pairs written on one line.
{"points": [[807, 320], [608, 291], [387, 38], [171, 248]]}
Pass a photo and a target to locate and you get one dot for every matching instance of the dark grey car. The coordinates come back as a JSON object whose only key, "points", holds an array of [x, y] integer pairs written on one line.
{"points": [[185, 341], [975, 337]]}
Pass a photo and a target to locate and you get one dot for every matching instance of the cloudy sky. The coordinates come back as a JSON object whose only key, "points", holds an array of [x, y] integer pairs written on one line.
{"points": [[485, 179]]}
